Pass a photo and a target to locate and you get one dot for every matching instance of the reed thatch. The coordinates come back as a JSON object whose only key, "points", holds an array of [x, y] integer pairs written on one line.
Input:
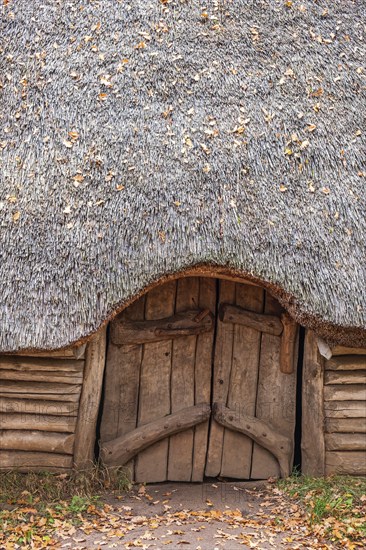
{"points": [[142, 138]]}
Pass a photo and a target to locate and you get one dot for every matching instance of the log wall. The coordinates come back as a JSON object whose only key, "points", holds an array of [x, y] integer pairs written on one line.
{"points": [[334, 410], [39, 405]]}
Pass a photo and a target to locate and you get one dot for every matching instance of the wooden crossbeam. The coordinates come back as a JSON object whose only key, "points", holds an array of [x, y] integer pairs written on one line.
{"points": [[120, 450], [269, 324]]}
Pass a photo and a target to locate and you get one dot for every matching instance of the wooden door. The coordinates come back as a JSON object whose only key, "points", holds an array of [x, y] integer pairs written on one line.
{"points": [[193, 381]]}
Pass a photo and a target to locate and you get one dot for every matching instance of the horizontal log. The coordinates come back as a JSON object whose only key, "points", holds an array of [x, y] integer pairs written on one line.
{"points": [[182, 324], [19, 386], [345, 442], [345, 377], [345, 425], [25, 440], [43, 422], [345, 409], [26, 364], [269, 324], [41, 376], [31, 396], [342, 350], [345, 393], [346, 362], [37, 406], [120, 450], [345, 462], [26, 460], [74, 352], [261, 432]]}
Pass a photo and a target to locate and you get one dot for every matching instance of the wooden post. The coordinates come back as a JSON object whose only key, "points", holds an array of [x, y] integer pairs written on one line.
{"points": [[288, 344], [89, 401], [313, 446]]}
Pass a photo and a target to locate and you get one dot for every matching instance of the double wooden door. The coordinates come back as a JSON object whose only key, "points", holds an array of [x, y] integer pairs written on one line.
{"points": [[194, 386]]}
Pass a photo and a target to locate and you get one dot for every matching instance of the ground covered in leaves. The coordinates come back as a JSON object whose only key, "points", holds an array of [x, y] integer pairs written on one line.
{"points": [[48, 511]]}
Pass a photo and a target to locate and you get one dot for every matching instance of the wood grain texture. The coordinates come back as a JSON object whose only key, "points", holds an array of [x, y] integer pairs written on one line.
{"points": [[238, 447], [42, 376], [45, 388], [154, 396], [42, 422], [122, 449], [312, 444], [345, 425], [37, 406], [351, 392], [345, 442], [30, 364], [221, 378], [289, 341], [345, 463], [342, 350], [270, 324], [261, 432], [89, 401], [49, 442], [35, 396], [345, 377], [182, 382], [203, 373], [25, 461], [345, 409], [346, 363], [276, 396]]}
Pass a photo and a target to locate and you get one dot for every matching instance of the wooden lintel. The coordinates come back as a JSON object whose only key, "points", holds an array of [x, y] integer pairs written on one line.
{"points": [[261, 432], [120, 450], [187, 323], [269, 324], [288, 344]]}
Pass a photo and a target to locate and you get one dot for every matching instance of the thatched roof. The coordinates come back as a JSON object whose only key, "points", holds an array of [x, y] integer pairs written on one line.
{"points": [[142, 138]]}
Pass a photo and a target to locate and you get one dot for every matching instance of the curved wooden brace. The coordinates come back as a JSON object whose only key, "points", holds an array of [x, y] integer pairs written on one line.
{"points": [[261, 432], [119, 451]]}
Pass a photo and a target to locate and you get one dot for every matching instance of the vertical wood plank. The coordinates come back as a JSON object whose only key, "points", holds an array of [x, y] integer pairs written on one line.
{"points": [[154, 396], [203, 373], [85, 432], [237, 448], [121, 387], [312, 443], [221, 376], [276, 397], [182, 384]]}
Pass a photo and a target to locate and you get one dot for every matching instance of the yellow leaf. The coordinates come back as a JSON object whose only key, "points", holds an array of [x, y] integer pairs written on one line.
{"points": [[102, 97], [283, 188], [311, 127], [16, 216]]}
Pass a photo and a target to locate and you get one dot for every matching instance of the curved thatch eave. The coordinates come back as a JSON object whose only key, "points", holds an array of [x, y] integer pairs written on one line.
{"points": [[139, 141]]}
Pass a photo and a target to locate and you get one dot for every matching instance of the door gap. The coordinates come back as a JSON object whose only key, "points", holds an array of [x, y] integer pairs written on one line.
{"points": [[298, 421], [101, 403]]}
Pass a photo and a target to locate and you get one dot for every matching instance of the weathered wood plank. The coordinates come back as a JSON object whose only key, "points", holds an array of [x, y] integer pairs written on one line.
{"points": [[345, 377], [269, 324], [276, 396], [345, 463], [26, 388], [27, 460], [182, 381], [312, 444], [263, 433], [121, 450], [345, 442], [203, 373], [31, 396], [43, 422], [68, 353], [221, 378], [30, 364], [154, 397], [289, 341], [58, 408], [49, 442], [345, 409], [347, 363], [186, 322], [237, 448], [89, 401], [345, 393], [345, 425], [342, 350], [122, 379], [42, 376]]}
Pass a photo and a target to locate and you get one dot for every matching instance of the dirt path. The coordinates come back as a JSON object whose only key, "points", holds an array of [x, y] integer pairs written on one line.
{"points": [[204, 517]]}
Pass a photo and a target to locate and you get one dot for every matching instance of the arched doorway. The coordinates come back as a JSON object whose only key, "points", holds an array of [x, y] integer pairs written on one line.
{"points": [[201, 382]]}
